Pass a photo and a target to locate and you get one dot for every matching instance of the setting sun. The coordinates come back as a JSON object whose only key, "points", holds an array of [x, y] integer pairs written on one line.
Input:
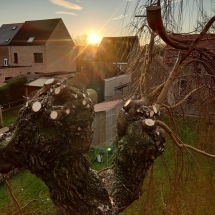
{"points": [[94, 38]]}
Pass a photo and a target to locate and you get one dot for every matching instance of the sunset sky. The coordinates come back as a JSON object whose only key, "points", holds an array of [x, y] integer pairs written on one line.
{"points": [[103, 17]]}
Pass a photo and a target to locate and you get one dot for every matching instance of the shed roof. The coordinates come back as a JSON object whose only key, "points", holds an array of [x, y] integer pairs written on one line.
{"points": [[105, 106], [39, 82]]}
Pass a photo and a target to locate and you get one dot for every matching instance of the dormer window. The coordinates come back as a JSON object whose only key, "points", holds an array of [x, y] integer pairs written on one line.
{"points": [[14, 28], [30, 40], [7, 40]]}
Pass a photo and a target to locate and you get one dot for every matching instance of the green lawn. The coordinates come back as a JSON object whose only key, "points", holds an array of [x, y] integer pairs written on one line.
{"points": [[178, 183], [9, 117]]}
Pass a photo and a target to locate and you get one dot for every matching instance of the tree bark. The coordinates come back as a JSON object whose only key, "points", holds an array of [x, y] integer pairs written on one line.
{"points": [[55, 150]]}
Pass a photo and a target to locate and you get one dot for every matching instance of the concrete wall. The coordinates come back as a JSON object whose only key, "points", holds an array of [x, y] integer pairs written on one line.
{"points": [[118, 85]]}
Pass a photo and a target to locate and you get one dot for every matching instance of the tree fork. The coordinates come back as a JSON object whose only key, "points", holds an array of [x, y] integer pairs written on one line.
{"points": [[52, 136]]}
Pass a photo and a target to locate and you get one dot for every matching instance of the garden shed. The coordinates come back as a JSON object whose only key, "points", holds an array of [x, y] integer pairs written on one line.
{"points": [[104, 124]]}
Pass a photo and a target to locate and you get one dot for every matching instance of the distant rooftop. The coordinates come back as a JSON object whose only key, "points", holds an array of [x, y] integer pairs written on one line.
{"points": [[35, 32], [8, 31]]}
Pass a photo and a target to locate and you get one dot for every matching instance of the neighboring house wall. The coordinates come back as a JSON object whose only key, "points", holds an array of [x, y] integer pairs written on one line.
{"points": [[118, 85], [25, 63], [5, 73], [4, 53], [25, 57], [60, 54]]}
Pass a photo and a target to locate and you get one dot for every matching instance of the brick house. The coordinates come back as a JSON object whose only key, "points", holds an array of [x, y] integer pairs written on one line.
{"points": [[38, 46], [194, 76]]}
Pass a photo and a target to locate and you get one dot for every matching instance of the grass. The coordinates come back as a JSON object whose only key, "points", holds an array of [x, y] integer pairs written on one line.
{"points": [[178, 183], [9, 117], [30, 191]]}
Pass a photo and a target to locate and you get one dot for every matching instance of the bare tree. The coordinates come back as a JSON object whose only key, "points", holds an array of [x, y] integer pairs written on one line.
{"points": [[81, 40], [53, 133]]}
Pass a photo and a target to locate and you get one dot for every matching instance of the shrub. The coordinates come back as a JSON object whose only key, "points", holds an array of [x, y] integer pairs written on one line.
{"points": [[11, 93]]}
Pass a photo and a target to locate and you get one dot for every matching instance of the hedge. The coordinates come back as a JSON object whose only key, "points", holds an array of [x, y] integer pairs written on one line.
{"points": [[11, 93]]}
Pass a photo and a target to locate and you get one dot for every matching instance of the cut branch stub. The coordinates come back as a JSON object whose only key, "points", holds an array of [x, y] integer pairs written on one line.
{"points": [[132, 103], [49, 82], [75, 96], [67, 111], [155, 109], [127, 104], [57, 90], [151, 114], [36, 106], [85, 101], [148, 123], [77, 92], [56, 114]]}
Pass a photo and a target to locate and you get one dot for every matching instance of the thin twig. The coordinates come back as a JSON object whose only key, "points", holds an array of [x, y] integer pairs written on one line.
{"points": [[104, 169], [178, 142], [183, 100], [26, 205], [11, 192]]}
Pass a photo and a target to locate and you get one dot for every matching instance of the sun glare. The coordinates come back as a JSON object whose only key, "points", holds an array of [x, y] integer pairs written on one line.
{"points": [[94, 38]]}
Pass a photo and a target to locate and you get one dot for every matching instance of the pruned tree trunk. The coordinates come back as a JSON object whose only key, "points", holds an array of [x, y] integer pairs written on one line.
{"points": [[53, 134]]}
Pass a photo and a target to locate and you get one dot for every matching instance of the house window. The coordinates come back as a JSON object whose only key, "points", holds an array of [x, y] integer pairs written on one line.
{"points": [[7, 78], [30, 40], [38, 58], [182, 85], [5, 62], [15, 57]]}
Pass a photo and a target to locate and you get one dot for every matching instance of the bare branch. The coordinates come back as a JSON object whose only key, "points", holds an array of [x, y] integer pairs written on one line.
{"points": [[183, 100], [33, 200], [178, 142], [153, 95], [11, 192], [201, 35], [155, 22], [168, 83]]}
